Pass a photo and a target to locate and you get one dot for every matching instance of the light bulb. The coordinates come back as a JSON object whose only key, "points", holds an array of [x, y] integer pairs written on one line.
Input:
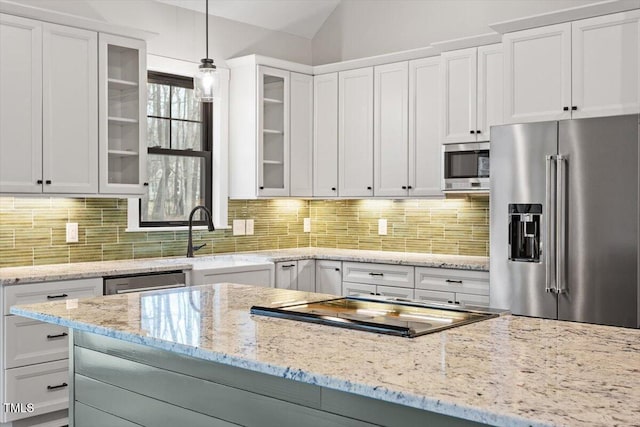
{"points": [[206, 81]]}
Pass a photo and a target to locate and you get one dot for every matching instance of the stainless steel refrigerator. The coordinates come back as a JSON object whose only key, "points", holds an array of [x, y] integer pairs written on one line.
{"points": [[564, 220]]}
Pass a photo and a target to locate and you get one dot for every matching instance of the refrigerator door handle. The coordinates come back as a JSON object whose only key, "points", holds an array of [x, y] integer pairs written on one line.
{"points": [[561, 224], [549, 238]]}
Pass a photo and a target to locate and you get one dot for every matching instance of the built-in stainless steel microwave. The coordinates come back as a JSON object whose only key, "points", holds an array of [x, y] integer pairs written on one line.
{"points": [[465, 167]]}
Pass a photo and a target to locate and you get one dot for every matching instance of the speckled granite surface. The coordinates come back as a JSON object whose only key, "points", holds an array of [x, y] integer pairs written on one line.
{"points": [[508, 371], [17, 275]]}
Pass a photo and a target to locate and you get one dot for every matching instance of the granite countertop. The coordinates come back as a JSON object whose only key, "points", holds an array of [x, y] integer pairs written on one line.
{"points": [[507, 371], [82, 270]]}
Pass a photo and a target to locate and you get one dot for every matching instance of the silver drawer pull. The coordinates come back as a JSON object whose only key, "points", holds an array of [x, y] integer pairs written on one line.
{"points": [[376, 274], [454, 281], [51, 337], [57, 296], [56, 387]]}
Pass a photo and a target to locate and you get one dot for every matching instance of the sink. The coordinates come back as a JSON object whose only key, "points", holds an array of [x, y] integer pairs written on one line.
{"points": [[243, 269]]}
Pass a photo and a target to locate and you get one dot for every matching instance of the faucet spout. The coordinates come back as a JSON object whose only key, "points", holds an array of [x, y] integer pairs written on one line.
{"points": [[207, 215]]}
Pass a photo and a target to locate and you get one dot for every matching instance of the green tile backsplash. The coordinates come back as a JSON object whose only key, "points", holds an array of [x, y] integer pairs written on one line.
{"points": [[32, 230]]}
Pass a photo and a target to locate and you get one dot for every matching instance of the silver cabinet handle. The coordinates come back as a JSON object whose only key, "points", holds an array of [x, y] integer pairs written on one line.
{"points": [[561, 224], [548, 248]]}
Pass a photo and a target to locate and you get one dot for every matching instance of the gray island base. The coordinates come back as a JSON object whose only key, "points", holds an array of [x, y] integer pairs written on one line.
{"points": [[121, 384]]}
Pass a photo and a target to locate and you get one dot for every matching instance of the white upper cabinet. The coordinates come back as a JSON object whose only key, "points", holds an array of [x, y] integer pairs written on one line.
{"points": [[605, 65], [325, 135], [355, 133], [459, 95], [20, 105], [273, 132], [490, 109], [391, 148], [424, 123], [301, 125], [49, 138], [472, 93], [538, 74], [70, 110], [123, 115]]}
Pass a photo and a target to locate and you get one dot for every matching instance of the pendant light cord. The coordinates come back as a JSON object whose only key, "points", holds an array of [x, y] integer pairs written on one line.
{"points": [[207, 27]]}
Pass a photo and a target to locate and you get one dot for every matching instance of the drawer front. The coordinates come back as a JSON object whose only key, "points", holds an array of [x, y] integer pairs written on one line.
{"points": [[394, 291], [438, 296], [51, 291], [42, 384], [378, 274], [446, 280], [357, 288], [471, 299], [30, 341]]}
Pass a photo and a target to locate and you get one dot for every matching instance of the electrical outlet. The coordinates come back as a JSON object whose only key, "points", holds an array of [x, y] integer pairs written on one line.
{"points": [[248, 227], [239, 227], [72, 232], [382, 227], [307, 225]]}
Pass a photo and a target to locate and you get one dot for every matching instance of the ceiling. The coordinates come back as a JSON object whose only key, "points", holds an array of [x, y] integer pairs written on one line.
{"points": [[299, 17]]}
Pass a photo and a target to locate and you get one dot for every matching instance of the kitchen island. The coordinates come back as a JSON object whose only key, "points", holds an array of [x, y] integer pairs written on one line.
{"points": [[201, 350]]}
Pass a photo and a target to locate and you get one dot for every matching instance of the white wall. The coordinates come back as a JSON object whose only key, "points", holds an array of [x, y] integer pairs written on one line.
{"points": [[360, 28], [182, 31]]}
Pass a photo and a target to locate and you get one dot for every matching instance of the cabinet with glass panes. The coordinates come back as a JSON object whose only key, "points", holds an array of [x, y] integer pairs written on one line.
{"points": [[122, 91]]}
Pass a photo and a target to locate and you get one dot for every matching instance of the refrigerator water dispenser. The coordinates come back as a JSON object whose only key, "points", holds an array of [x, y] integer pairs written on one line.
{"points": [[524, 232]]}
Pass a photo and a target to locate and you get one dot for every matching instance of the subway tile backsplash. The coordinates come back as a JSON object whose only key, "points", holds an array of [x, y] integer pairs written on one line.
{"points": [[32, 230]]}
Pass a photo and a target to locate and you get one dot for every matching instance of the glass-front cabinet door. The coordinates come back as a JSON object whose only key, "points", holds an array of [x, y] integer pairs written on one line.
{"points": [[122, 79], [273, 132]]}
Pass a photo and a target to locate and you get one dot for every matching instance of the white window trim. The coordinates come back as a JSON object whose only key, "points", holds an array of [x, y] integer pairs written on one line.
{"points": [[219, 155]]}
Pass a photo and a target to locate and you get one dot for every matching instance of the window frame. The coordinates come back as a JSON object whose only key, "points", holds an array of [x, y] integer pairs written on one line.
{"points": [[207, 119]]}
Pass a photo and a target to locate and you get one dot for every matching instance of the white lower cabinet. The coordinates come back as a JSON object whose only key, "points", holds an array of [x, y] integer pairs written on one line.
{"points": [[296, 275], [452, 286], [377, 279], [258, 275], [357, 288], [34, 366], [329, 277]]}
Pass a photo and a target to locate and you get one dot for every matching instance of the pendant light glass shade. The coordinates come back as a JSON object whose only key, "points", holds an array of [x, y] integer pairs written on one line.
{"points": [[206, 81]]}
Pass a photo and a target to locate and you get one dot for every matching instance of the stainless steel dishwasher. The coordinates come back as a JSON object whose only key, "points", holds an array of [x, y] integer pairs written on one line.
{"points": [[143, 282]]}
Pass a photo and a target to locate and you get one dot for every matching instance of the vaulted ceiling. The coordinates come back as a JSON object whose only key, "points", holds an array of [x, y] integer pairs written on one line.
{"points": [[299, 17]]}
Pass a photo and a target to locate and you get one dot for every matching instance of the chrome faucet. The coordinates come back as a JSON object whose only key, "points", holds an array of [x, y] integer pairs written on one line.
{"points": [[207, 214]]}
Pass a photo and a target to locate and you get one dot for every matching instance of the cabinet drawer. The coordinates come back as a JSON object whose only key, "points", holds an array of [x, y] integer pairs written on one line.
{"points": [[378, 274], [30, 341], [438, 296], [45, 385], [470, 299], [446, 280], [357, 288], [394, 291], [50, 291]]}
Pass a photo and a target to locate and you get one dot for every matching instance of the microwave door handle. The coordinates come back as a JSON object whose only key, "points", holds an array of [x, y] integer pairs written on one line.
{"points": [[561, 224], [550, 219]]}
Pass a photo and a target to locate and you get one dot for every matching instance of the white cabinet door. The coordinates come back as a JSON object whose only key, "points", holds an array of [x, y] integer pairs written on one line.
{"points": [[20, 105], [390, 129], [355, 133], [273, 132], [458, 75], [301, 140], [605, 65], [287, 275], [472, 299], [357, 288], [70, 110], [490, 90], [328, 277], [425, 153], [537, 74], [306, 275], [325, 135], [123, 114]]}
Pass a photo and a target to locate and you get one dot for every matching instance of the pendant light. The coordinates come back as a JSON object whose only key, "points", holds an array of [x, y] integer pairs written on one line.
{"points": [[207, 80]]}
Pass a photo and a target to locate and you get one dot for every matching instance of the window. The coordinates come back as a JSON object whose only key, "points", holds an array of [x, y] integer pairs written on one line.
{"points": [[179, 141]]}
